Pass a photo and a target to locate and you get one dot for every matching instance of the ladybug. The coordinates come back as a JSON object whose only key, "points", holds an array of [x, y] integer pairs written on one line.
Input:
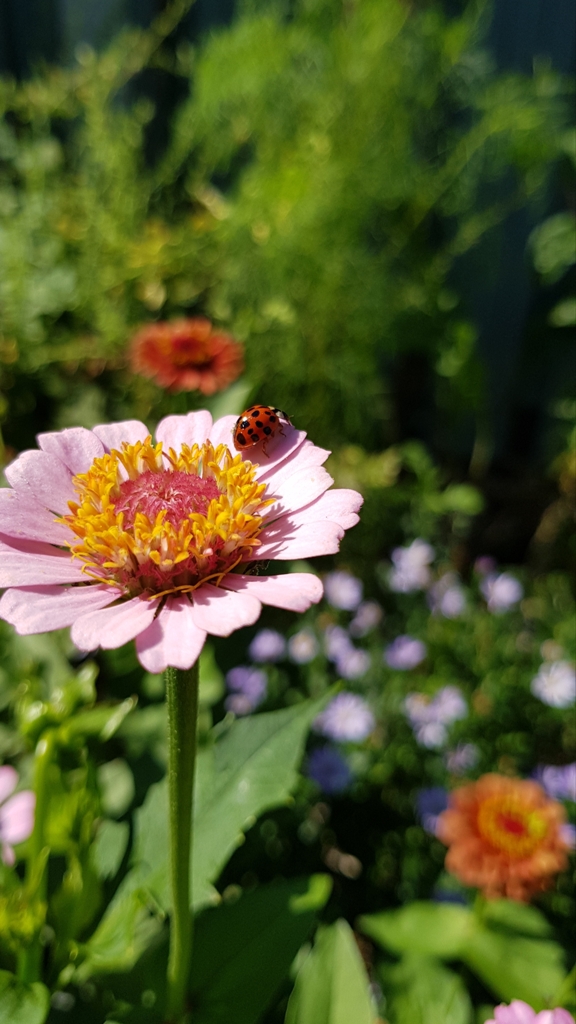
{"points": [[257, 425]]}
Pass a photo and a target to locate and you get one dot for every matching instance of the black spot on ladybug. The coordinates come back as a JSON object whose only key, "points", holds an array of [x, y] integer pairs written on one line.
{"points": [[240, 438], [252, 433], [256, 414], [259, 423], [267, 430], [244, 424], [272, 419]]}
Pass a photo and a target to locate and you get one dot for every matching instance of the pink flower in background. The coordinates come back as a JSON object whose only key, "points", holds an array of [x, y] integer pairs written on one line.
{"points": [[501, 591], [411, 567], [342, 590], [347, 717], [121, 539], [16, 813], [520, 1013]]}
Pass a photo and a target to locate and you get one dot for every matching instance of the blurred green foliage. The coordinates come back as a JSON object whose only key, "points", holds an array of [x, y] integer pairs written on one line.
{"points": [[322, 176]]}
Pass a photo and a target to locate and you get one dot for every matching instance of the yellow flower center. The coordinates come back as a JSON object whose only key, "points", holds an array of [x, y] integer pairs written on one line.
{"points": [[509, 826], [158, 523]]}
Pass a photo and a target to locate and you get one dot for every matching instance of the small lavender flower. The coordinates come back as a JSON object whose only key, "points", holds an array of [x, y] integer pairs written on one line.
{"points": [[367, 617], [430, 717], [410, 567], [267, 645], [249, 687], [405, 652], [16, 813], [353, 663], [446, 597], [568, 833], [485, 564], [429, 806], [347, 717], [303, 647], [336, 642], [559, 781], [342, 590], [463, 757], [328, 769], [555, 684], [501, 591]]}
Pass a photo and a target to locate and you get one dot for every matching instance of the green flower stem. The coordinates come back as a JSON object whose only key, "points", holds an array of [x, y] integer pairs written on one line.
{"points": [[30, 960], [182, 701]]}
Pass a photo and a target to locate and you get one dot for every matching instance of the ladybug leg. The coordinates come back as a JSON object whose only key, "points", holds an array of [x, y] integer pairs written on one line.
{"points": [[264, 443]]}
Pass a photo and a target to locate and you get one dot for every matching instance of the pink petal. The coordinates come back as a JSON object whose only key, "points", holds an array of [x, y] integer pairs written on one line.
{"points": [[517, 1012], [21, 516], [42, 476], [8, 781], [287, 539], [174, 431], [339, 505], [307, 455], [171, 639], [8, 855], [303, 487], [221, 432], [279, 450], [295, 591], [220, 611], [41, 609], [113, 435], [115, 626], [29, 563], [17, 817], [76, 447]]}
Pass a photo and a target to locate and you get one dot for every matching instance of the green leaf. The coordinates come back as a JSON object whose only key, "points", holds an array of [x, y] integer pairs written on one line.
{"points": [[554, 244], [116, 784], [424, 928], [516, 967], [423, 991], [251, 769], [109, 847], [243, 950], [516, 917], [20, 1003], [332, 984]]}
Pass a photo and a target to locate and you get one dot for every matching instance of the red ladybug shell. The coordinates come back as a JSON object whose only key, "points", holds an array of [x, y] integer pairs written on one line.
{"points": [[257, 426]]}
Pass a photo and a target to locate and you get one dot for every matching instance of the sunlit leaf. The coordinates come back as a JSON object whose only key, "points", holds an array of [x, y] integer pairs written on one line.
{"points": [[332, 984]]}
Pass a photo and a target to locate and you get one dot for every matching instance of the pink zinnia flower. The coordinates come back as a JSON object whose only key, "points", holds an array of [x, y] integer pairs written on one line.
{"points": [[124, 539], [16, 813], [520, 1013]]}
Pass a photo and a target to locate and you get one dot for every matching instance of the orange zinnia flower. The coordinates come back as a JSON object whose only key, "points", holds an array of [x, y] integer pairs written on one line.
{"points": [[505, 837], [186, 355]]}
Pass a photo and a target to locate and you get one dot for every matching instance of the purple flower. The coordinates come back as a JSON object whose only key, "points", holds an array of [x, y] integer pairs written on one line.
{"points": [[446, 597], [347, 717], [267, 645], [405, 652], [368, 616], [462, 758], [485, 564], [249, 686], [328, 769], [501, 591], [410, 567], [16, 813], [342, 590], [303, 647], [353, 663], [568, 833], [429, 806], [336, 642], [430, 717], [559, 781], [555, 684]]}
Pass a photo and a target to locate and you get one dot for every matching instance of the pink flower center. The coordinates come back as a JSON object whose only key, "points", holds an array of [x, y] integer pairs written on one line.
{"points": [[177, 494]]}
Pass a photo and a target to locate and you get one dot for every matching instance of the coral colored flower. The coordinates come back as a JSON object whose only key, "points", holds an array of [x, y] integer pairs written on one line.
{"points": [[504, 836], [520, 1013], [124, 539], [186, 355], [16, 813]]}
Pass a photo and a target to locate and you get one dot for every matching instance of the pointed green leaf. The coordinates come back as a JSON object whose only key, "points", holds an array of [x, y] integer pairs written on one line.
{"points": [[20, 1003], [424, 928], [332, 984], [515, 967], [420, 990]]}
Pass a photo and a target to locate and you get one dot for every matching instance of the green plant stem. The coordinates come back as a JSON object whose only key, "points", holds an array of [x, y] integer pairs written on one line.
{"points": [[30, 960], [182, 701]]}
